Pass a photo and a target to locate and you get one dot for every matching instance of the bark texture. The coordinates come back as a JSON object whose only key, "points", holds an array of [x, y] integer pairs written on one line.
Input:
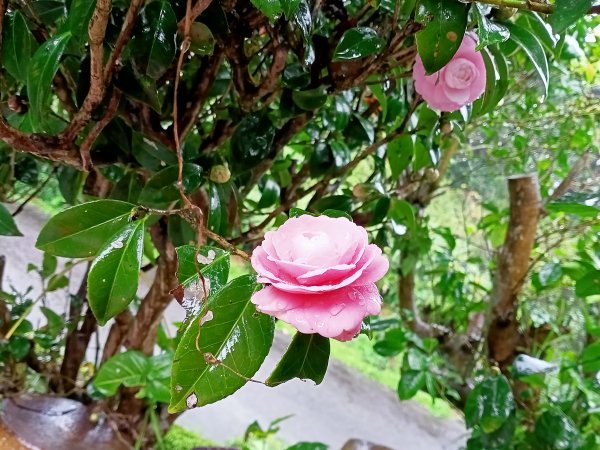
{"points": [[504, 336]]}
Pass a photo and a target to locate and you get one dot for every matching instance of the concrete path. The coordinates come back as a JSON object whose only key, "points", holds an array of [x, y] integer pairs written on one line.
{"points": [[346, 405]]}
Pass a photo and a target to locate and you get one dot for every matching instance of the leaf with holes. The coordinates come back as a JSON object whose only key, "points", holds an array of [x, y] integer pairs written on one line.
{"points": [[113, 277], [307, 357], [444, 24], [215, 359]]}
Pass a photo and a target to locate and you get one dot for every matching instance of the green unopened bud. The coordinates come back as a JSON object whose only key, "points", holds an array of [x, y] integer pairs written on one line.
{"points": [[220, 174]]}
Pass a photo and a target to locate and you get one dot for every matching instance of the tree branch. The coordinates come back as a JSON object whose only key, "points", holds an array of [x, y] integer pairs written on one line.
{"points": [[529, 5], [513, 264], [95, 95], [565, 184]]}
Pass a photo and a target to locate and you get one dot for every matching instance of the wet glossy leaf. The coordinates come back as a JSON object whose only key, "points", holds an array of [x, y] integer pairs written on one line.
{"points": [[252, 140], [357, 43], [113, 277], [400, 152], [532, 46], [153, 43], [162, 188], [270, 8], [306, 358], [49, 11], [139, 87], [82, 230], [78, 19], [539, 27], [489, 404], [311, 99], [555, 430], [270, 192], [496, 81], [444, 23], [294, 76], [18, 46], [202, 39], [8, 227], [567, 12], [338, 202], [213, 263], [231, 347], [217, 214], [411, 381], [489, 32], [40, 73]]}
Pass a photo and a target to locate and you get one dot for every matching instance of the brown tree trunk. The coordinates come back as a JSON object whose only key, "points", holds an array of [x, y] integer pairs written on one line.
{"points": [[504, 336]]}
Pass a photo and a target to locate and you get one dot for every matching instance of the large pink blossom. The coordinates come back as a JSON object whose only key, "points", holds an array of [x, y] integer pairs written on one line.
{"points": [[320, 273], [458, 83]]}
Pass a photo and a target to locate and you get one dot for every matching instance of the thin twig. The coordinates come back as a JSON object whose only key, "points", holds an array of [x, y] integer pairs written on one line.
{"points": [[34, 193]]}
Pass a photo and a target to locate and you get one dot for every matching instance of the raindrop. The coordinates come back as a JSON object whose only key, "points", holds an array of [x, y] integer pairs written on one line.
{"points": [[336, 309], [191, 401], [178, 388]]}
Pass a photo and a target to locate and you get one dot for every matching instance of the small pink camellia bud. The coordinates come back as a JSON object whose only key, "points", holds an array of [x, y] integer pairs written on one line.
{"points": [[320, 274], [220, 174], [458, 83]]}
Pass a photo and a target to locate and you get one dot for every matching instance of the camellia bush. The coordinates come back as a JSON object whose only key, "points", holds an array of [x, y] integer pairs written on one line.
{"points": [[424, 172]]}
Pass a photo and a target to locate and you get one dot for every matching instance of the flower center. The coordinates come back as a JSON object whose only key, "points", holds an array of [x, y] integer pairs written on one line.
{"points": [[311, 247], [460, 73]]}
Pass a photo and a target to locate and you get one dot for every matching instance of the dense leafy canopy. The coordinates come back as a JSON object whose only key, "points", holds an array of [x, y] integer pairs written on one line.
{"points": [[173, 135]]}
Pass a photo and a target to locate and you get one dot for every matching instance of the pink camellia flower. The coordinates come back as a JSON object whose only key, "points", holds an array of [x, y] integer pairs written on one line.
{"points": [[321, 273], [458, 83]]}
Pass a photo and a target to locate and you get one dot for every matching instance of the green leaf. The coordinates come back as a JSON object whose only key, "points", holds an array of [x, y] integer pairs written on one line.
{"points": [[311, 99], [57, 282], [217, 214], [113, 277], [202, 41], [134, 369], [402, 212], [270, 8], [40, 73], [590, 358], [489, 32], [78, 19], [70, 183], [400, 152], [153, 43], [576, 209], [18, 47], [567, 12], [237, 337], [308, 446], [555, 430], [393, 343], [212, 262], [532, 46], [489, 404], [357, 43], [337, 202], [82, 230], [306, 358], [410, 383], [151, 154], [252, 140], [588, 285], [444, 24], [8, 227], [162, 188], [128, 188], [496, 81], [539, 27], [290, 7], [270, 192], [19, 347]]}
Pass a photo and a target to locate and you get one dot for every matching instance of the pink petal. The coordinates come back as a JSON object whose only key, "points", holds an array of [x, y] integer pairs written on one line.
{"points": [[336, 314]]}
